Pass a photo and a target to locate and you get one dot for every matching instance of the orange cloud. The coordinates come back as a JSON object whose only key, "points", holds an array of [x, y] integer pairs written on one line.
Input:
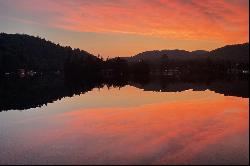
{"points": [[218, 20]]}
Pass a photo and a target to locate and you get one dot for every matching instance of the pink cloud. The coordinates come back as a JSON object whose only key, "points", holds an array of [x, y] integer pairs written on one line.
{"points": [[218, 20]]}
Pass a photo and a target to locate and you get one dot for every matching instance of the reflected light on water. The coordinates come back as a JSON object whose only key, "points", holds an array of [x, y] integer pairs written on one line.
{"points": [[211, 129]]}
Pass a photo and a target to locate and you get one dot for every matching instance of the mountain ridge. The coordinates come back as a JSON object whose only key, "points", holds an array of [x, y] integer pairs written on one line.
{"points": [[178, 54]]}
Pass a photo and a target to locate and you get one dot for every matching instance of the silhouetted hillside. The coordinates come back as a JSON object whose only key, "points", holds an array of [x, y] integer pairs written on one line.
{"points": [[33, 53], [233, 59], [234, 53], [171, 54]]}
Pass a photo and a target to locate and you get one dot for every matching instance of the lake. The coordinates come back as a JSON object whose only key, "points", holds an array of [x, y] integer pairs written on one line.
{"points": [[131, 124]]}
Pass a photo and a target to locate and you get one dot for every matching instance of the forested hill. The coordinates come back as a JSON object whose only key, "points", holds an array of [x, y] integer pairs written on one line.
{"points": [[27, 52], [234, 53], [156, 55]]}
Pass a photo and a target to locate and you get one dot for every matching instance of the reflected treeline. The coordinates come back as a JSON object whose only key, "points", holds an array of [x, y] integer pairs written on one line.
{"points": [[228, 86], [31, 92]]}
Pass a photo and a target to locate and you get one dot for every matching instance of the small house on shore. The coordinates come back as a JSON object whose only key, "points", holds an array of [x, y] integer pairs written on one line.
{"points": [[21, 72], [171, 72], [31, 73]]}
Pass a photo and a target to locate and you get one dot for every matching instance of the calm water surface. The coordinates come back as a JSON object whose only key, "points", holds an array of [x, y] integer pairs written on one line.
{"points": [[129, 126]]}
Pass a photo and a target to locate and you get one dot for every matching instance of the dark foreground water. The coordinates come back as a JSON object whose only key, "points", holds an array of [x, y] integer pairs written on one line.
{"points": [[139, 124]]}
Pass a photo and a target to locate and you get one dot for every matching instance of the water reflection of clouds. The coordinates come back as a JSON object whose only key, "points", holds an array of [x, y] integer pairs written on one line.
{"points": [[176, 132], [193, 129]]}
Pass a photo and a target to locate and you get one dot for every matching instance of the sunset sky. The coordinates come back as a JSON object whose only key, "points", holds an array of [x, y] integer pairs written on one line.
{"points": [[127, 27]]}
